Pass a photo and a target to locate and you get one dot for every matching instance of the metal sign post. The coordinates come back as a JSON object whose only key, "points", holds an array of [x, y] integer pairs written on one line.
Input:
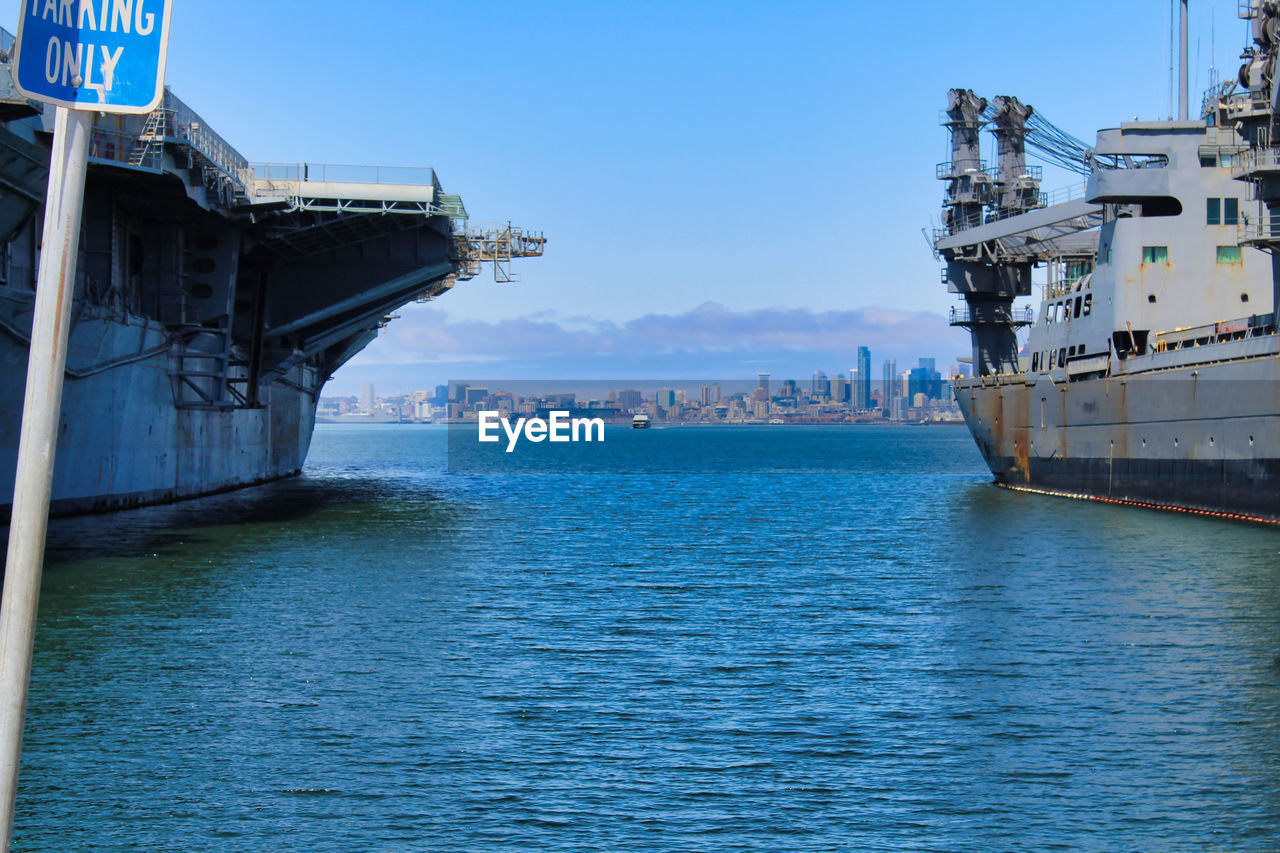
{"points": [[83, 63], [37, 442]]}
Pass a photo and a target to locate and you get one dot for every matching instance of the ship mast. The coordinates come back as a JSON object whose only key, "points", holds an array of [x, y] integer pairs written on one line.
{"points": [[1254, 110], [1182, 66]]}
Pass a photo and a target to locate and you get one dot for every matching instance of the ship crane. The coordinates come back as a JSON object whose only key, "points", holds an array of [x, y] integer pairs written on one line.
{"points": [[997, 227]]}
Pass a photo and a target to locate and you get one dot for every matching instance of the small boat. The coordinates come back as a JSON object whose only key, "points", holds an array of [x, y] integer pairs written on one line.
{"points": [[640, 421]]}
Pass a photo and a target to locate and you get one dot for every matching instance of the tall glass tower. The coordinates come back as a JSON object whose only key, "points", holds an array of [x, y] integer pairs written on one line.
{"points": [[862, 384]]}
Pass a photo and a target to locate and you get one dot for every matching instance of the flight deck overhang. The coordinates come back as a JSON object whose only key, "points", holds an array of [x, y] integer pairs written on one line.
{"points": [[337, 196]]}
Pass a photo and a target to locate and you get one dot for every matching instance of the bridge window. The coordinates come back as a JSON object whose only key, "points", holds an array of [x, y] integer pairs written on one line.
{"points": [[1088, 304], [1222, 211], [1230, 255], [1155, 254]]}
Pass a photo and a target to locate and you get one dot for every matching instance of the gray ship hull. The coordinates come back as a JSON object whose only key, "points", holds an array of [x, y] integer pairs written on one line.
{"points": [[1202, 437], [122, 441]]}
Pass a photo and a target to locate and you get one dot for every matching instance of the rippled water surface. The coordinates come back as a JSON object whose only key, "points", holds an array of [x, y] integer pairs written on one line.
{"points": [[851, 641]]}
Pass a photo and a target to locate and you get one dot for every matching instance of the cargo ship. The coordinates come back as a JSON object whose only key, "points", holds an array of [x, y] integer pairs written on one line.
{"points": [[1149, 372], [213, 297]]}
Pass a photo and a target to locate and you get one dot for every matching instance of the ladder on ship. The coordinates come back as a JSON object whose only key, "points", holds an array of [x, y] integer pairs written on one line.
{"points": [[150, 141]]}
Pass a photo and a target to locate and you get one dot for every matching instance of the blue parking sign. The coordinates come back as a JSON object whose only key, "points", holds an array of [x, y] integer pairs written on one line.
{"points": [[100, 55]]}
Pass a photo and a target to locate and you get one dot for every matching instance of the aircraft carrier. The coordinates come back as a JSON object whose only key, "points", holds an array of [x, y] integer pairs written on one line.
{"points": [[214, 297], [1149, 373]]}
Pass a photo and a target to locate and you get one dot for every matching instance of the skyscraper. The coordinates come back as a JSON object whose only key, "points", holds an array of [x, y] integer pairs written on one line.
{"points": [[820, 387], [890, 374], [862, 384], [932, 379]]}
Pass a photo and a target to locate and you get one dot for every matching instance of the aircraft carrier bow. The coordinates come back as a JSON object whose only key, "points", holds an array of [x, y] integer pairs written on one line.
{"points": [[214, 296]]}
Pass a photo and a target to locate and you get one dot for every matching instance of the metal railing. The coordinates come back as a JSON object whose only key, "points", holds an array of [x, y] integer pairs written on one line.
{"points": [[1062, 195], [1255, 160], [961, 316], [945, 170], [180, 123], [115, 146], [419, 176], [1259, 232], [1032, 173]]}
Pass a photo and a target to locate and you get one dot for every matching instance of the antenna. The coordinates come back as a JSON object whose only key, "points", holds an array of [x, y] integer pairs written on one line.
{"points": [[1182, 66], [1171, 52]]}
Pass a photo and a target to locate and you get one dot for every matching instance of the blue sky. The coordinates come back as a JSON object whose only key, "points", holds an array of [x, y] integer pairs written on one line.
{"points": [[752, 156]]}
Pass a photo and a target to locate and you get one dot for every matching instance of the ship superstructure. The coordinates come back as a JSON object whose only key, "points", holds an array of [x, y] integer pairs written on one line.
{"points": [[214, 296], [1150, 372]]}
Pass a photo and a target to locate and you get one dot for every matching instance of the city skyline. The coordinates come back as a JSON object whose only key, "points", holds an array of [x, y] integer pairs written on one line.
{"points": [[917, 393]]}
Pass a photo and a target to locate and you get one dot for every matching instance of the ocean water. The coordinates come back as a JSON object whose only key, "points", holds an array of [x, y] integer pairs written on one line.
{"points": [[846, 639]]}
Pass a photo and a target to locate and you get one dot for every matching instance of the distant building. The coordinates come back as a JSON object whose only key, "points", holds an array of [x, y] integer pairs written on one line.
{"points": [[820, 387], [366, 397], [630, 400], [890, 374], [925, 380], [861, 399]]}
